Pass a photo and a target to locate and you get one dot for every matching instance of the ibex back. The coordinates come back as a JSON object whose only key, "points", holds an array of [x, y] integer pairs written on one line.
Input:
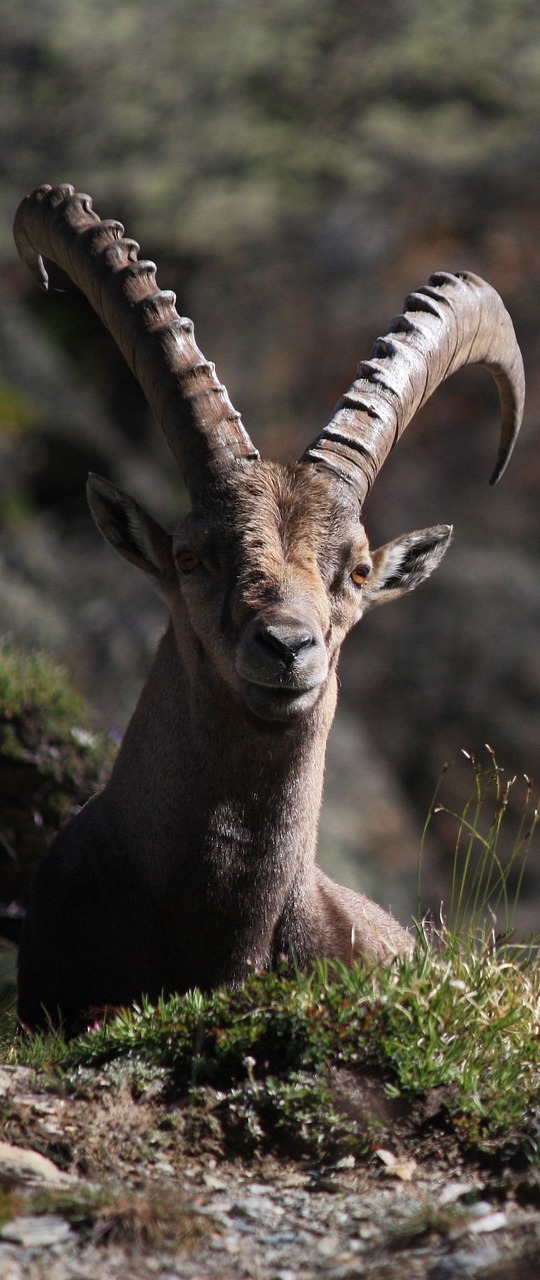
{"points": [[197, 860]]}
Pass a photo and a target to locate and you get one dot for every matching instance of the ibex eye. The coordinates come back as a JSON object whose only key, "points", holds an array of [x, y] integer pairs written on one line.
{"points": [[360, 574], [187, 561]]}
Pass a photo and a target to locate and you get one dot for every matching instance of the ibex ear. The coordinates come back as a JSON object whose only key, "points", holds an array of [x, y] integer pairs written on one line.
{"points": [[132, 532], [399, 566]]}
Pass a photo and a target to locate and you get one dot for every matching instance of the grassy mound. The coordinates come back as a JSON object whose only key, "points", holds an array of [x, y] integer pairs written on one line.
{"points": [[321, 1065]]}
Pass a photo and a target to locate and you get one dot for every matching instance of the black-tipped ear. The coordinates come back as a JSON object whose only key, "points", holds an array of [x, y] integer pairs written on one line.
{"points": [[131, 531], [401, 565]]}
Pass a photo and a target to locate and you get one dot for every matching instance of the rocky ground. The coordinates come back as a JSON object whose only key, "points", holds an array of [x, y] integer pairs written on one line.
{"points": [[100, 1181]]}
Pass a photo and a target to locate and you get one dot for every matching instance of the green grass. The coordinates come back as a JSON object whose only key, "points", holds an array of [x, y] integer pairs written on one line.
{"points": [[41, 712], [463, 1017], [33, 682]]}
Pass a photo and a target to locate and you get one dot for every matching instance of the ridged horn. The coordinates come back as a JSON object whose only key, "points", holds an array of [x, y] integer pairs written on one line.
{"points": [[203, 430], [452, 321]]}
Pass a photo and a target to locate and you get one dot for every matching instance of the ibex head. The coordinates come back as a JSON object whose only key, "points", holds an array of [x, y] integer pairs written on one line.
{"points": [[272, 566]]}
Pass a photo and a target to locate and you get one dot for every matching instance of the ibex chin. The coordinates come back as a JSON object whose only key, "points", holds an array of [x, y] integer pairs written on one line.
{"points": [[197, 860]]}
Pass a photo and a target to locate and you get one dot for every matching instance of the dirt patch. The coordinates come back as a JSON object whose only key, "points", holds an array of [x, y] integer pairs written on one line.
{"points": [[144, 1188]]}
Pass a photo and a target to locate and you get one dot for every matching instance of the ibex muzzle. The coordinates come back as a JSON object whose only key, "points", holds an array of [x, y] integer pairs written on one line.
{"points": [[197, 860], [282, 662]]}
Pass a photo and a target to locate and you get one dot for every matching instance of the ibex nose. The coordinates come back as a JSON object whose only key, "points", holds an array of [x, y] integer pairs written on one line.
{"points": [[282, 651], [284, 640]]}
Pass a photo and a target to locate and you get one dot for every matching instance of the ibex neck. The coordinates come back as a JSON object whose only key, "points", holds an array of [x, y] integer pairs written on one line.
{"points": [[201, 776]]}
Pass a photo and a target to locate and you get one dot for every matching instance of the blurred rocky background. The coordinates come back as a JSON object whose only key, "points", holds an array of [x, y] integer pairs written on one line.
{"points": [[295, 170]]}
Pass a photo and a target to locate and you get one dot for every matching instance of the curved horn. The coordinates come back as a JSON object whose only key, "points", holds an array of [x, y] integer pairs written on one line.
{"points": [[452, 321], [193, 409]]}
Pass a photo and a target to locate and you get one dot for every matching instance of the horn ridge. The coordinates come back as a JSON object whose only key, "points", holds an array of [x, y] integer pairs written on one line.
{"points": [[201, 426], [452, 321]]}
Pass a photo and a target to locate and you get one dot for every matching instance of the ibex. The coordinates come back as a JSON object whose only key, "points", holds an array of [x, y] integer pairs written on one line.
{"points": [[197, 860]]}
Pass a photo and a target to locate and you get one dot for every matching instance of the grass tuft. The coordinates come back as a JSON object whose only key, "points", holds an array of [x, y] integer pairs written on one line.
{"points": [[493, 840], [159, 1219], [32, 684]]}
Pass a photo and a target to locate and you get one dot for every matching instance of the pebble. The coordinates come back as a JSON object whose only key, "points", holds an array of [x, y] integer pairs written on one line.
{"points": [[455, 1191], [461, 1265], [257, 1209], [490, 1222]]}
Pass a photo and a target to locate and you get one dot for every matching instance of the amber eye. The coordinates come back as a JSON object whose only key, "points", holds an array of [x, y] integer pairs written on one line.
{"points": [[186, 560], [360, 574]]}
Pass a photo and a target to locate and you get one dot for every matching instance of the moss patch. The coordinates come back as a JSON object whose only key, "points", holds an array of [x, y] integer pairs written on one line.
{"points": [[51, 761]]}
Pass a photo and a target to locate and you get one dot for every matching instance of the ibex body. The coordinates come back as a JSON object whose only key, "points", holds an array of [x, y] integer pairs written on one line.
{"points": [[197, 860]]}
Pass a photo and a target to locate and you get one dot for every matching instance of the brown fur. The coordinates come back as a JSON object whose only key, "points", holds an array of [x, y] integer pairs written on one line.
{"points": [[197, 860]]}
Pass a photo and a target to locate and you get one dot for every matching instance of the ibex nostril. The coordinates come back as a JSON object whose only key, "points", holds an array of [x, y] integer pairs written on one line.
{"points": [[304, 641], [285, 641]]}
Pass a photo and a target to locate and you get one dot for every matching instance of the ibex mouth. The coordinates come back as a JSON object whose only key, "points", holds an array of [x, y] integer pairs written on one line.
{"points": [[281, 704]]}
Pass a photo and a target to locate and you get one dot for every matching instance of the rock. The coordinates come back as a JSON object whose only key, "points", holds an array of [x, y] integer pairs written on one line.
{"points": [[37, 1233], [20, 1164]]}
